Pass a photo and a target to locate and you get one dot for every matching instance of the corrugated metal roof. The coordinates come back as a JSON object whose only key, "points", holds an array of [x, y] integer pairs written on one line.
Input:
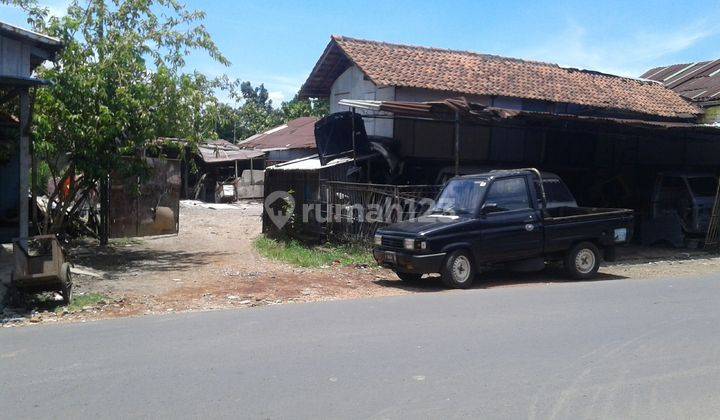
{"points": [[468, 73], [216, 151], [698, 82], [296, 134], [37, 38], [307, 163], [444, 110]]}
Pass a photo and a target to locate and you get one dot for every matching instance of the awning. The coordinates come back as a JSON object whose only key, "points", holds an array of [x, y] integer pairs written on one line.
{"points": [[472, 112]]}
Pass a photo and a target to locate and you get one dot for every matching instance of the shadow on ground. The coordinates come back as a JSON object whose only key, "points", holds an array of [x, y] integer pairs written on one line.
{"points": [[112, 260], [638, 254], [490, 279]]}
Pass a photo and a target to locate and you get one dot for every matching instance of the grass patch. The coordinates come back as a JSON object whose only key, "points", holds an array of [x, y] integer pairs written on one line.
{"points": [[80, 301], [295, 253]]}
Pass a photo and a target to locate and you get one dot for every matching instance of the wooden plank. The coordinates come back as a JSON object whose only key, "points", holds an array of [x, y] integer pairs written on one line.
{"points": [[24, 162]]}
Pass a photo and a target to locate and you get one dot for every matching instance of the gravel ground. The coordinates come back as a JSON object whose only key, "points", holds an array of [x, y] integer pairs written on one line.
{"points": [[212, 264]]}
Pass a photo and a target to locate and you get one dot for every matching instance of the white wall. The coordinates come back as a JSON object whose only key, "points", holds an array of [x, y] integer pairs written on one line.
{"points": [[353, 85], [422, 95]]}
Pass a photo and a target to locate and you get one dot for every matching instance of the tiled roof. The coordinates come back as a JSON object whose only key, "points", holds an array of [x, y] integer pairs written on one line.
{"points": [[698, 82], [462, 72]]}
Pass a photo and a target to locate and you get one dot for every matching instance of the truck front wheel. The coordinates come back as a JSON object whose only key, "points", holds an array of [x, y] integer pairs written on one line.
{"points": [[458, 270], [582, 261]]}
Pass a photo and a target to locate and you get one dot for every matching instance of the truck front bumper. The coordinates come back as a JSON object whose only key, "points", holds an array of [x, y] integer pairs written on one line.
{"points": [[409, 263]]}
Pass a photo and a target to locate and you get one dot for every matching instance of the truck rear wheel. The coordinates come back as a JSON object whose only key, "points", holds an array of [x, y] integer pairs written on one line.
{"points": [[582, 261], [458, 270]]}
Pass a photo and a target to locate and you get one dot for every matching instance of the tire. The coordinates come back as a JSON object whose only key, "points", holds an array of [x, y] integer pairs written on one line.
{"points": [[458, 270], [582, 261], [408, 277], [66, 285]]}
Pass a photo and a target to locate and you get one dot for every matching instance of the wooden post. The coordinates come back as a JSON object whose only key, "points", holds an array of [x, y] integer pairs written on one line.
{"points": [[104, 210], [352, 117], [457, 142], [252, 178], [24, 162]]}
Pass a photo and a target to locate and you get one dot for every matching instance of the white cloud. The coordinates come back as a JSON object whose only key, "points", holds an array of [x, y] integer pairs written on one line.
{"points": [[277, 97], [57, 8], [625, 56]]}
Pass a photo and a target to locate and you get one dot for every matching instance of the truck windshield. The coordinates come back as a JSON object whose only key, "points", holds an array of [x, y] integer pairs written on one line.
{"points": [[460, 196]]}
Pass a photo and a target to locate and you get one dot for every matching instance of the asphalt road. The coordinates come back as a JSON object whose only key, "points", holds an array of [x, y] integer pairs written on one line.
{"points": [[606, 349]]}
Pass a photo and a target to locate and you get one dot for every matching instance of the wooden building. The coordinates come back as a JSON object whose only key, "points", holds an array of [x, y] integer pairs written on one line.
{"points": [[358, 69], [21, 52]]}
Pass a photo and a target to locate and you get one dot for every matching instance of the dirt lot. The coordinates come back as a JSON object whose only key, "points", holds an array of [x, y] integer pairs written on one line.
{"points": [[212, 264]]}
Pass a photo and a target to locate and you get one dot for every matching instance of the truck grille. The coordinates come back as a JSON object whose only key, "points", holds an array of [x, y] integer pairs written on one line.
{"points": [[391, 242]]}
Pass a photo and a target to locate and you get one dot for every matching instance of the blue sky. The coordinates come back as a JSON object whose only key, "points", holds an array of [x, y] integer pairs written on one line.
{"points": [[278, 42]]}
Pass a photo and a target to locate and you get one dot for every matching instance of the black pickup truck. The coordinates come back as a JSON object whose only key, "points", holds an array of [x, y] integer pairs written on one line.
{"points": [[501, 218]]}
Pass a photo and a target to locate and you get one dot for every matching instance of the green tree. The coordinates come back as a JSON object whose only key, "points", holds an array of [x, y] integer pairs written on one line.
{"points": [[186, 105], [105, 101], [256, 113], [258, 96], [297, 108]]}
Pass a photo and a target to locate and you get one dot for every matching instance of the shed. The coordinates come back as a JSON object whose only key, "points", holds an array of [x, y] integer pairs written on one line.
{"points": [[301, 179], [212, 162], [352, 68], [606, 161], [21, 52]]}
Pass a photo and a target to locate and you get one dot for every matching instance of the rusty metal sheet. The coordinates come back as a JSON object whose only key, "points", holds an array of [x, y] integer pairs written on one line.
{"points": [[148, 208]]}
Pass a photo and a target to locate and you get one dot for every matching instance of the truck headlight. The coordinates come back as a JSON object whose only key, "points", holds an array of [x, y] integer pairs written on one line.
{"points": [[378, 240], [409, 243]]}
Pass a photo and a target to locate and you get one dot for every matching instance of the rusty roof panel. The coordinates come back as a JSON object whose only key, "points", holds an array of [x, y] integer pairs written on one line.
{"points": [[216, 151], [296, 134], [443, 110]]}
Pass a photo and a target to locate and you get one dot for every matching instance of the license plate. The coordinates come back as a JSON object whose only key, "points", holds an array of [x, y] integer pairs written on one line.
{"points": [[391, 257]]}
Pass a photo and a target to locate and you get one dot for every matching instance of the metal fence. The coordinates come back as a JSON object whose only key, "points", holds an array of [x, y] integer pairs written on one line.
{"points": [[354, 211]]}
